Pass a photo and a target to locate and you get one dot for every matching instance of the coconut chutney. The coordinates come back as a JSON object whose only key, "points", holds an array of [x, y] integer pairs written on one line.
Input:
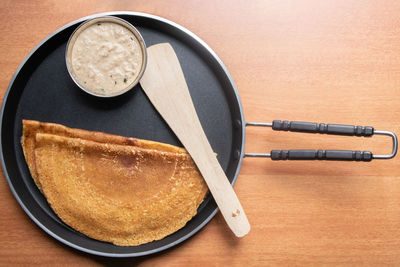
{"points": [[106, 58]]}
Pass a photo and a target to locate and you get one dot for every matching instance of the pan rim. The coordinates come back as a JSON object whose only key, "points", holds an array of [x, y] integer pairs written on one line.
{"points": [[240, 125]]}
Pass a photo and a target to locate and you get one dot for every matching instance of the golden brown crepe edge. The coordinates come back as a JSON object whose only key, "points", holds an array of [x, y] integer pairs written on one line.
{"points": [[100, 137]]}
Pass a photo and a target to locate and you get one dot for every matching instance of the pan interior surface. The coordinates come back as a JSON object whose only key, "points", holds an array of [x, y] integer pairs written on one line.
{"points": [[42, 90]]}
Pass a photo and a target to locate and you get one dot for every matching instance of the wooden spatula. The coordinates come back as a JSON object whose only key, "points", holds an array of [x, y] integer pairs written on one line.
{"points": [[165, 86]]}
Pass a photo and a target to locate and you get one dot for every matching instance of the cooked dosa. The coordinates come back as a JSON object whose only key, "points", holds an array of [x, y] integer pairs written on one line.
{"points": [[30, 128], [124, 192]]}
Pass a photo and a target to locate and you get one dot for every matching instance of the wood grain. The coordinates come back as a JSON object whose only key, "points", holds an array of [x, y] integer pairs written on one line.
{"points": [[165, 86], [333, 61]]}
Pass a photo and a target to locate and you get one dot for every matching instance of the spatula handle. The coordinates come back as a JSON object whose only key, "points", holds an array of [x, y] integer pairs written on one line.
{"points": [[222, 191]]}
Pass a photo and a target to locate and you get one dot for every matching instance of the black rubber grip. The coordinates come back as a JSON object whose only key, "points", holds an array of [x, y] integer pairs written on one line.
{"points": [[312, 127], [308, 154]]}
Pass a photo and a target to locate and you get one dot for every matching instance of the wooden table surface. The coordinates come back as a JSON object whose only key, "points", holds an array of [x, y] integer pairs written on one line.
{"points": [[335, 61]]}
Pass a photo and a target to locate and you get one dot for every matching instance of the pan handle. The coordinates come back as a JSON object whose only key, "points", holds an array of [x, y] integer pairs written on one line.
{"points": [[337, 129]]}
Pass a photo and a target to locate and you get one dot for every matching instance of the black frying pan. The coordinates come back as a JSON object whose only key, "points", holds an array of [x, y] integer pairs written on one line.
{"points": [[41, 89]]}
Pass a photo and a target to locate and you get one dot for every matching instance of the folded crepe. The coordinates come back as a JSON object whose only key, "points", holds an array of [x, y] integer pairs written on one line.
{"points": [[117, 189]]}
